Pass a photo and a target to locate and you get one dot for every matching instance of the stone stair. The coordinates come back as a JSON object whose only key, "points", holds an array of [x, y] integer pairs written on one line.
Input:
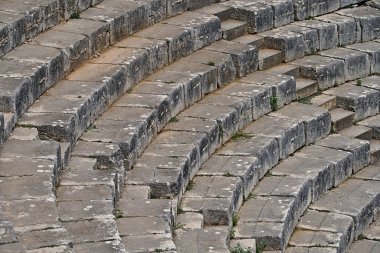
{"points": [[143, 146]]}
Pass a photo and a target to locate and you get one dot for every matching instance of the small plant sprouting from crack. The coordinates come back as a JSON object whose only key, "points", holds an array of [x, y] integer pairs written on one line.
{"points": [[231, 232], [179, 226], [260, 247], [118, 213], [359, 82], [361, 237], [235, 219], [169, 82], [240, 135], [173, 120], [227, 174], [211, 63], [239, 249], [190, 186], [274, 103]]}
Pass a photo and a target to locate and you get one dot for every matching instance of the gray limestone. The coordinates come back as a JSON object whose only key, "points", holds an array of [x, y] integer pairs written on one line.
{"points": [[341, 119], [258, 15], [316, 120], [55, 237], [356, 198], [363, 101], [149, 243], [365, 246], [180, 40], [223, 62], [328, 32], [327, 71], [245, 57], [226, 117], [374, 123], [259, 94], [349, 31], [133, 61], [368, 19], [320, 173], [291, 43], [283, 87], [242, 104], [75, 47], [215, 187], [133, 226], [157, 50], [111, 246], [359, 148], [203, 240], [342, 160], [96, 31], [270, 220], [290, 133], [311, 8], [357, 64], [206, 28], [95, 230], [373, 51], [85, 210], [247, 168], [324, 229], [310, 39], [371, 172]]}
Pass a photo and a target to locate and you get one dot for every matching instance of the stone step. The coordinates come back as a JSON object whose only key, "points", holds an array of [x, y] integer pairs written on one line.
{"points": [[350, 208], [282, 196], [222, 12], [269, 58], [341, 119], [373, 123], [356, 63], [23, 20], [118, 70], [325, 101], [244, 160], [252, 39], [375, 151], [29, 171], [286, 69], [306, 87], [372, 49], [364, 102], [359, 132], [54, 54], [233, 29]]}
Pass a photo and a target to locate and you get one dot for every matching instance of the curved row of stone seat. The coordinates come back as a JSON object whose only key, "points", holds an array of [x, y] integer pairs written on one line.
{"points": [[28, 174], [21, 21], [229, 176], [338, 217], [120, 134], [68, 108], [30, 69], [369, 240], [208, 184], [87, 96]]}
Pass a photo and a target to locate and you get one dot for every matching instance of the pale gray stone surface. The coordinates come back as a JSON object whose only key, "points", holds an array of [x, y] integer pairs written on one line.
{"points": [[374, 123], [342, 160], [349, 31], [327, 71], [356, 198], [357, 64], [316, 120], [320, 173], [203, 240], [359, 148], [373, 51], [363, 101], [291, 43], [290, 133], [367, 17]]}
